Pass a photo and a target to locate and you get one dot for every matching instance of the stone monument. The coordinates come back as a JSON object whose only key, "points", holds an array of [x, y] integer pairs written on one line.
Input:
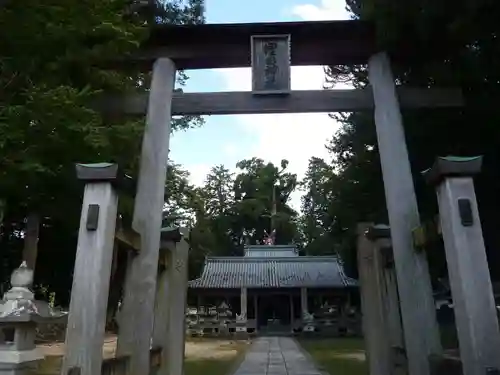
{"points": [[241, 322], [308, 320], [19, 315]]}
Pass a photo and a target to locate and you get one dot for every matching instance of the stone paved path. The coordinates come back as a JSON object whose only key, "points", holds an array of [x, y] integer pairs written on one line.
{"points": [[276, 356]]}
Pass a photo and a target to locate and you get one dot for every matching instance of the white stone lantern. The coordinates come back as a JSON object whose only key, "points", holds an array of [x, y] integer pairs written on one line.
{"points": [[19, 316]]}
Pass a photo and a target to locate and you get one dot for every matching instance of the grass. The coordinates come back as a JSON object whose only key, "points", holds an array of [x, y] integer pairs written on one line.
{"points": [[218, 365], [51, 365], [209, 366], [338, 356]]}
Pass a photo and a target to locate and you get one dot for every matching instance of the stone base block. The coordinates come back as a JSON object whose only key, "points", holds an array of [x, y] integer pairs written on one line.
{"points": [[18, 368], [14, 357]]}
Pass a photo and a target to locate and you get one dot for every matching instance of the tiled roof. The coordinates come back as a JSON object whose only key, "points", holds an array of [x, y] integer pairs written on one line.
{"points": [[272, 272]]}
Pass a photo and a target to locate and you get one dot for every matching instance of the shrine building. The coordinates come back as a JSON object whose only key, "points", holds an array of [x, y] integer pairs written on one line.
{"points": [[272, 288]]}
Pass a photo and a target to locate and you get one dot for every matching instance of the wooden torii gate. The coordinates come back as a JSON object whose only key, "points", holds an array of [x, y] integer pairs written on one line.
{"points": [[270, 49]]}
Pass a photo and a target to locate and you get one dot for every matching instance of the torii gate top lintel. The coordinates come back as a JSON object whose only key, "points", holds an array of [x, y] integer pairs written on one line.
{"points": [[209, 46]]}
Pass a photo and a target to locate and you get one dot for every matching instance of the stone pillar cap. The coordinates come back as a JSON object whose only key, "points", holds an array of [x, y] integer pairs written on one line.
{"points": [[171, 234], [105, 172], [452, 166]]}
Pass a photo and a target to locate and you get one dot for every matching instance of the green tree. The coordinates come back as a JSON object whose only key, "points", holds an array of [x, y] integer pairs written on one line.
{"points": [[231, 211], [212, 205], [258, 211], [460, 40], [218, 191], [48, 79]]}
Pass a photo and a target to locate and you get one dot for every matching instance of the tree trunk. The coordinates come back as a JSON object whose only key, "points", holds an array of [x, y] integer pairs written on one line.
{"points": [[30, 250]]}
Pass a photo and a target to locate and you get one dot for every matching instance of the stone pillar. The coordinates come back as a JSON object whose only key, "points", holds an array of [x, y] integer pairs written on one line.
{"points": [[243, 303], [474, 305], [94, 255], [164, 296], [137, 315], [417, 304], [162, 303], [292, 317], [173, 349], [386, 280], [374, 324]]}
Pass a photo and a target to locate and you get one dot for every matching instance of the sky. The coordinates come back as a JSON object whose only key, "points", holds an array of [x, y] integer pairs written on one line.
{"points": [[229, 139]]}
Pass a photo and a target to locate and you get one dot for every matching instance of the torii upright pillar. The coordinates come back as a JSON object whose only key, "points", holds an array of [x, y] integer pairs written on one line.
{"points": [[137, 315], [417, 304]]}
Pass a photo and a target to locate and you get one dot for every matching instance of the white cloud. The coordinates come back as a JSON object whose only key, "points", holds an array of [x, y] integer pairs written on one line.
{"points": [[231, 149], [295, 137], [327, 11], [198, 173]]}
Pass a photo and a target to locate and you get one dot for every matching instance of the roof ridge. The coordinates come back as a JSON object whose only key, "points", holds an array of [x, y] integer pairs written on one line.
{"points": [[267, 246], [297, 259]]}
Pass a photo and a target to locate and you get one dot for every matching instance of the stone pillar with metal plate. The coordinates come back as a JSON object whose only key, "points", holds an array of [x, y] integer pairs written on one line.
{"points": [[416, 299], [471, 289], [385, 275], [94, 255]]}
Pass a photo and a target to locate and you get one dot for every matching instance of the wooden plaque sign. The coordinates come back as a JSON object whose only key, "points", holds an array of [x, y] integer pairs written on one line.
{"points": [[270, 64]]}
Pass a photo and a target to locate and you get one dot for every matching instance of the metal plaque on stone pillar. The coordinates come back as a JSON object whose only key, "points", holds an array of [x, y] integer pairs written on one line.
{"points": [[270, 64]]}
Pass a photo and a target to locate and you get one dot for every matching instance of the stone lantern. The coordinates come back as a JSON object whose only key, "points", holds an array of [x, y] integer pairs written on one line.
{"points": [[19, 316]]}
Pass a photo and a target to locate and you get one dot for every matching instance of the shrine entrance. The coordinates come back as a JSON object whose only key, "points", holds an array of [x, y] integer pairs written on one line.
{"points": [[273, 314], [270, 49]]}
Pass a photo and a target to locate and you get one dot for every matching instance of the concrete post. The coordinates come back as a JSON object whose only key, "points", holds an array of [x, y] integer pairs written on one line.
{"points": [[137, 315], [164, 296], [383, 263], [374, 323], [162, 305], [177, 268], [94, 255], [417, 304], [474, 305]]}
